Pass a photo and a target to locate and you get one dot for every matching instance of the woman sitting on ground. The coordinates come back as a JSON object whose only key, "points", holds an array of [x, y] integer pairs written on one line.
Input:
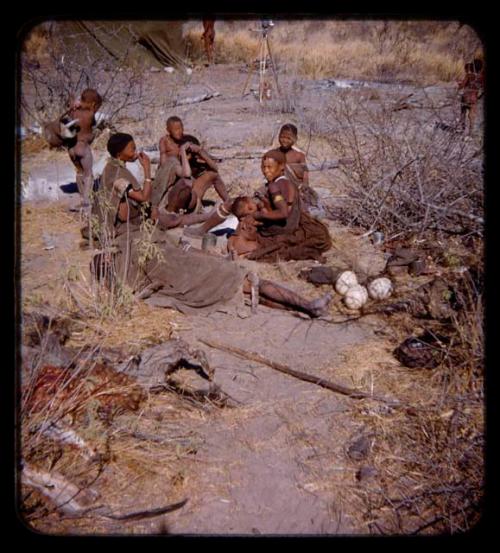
{"points": [[286, 231], [122, 199], [186, 279]]}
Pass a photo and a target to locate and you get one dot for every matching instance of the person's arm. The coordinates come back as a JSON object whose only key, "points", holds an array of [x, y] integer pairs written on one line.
{"points": [[463, 83], [260, 196], [198, 150], [143, 195], [305, 178], [281, 209], [183, 169]]}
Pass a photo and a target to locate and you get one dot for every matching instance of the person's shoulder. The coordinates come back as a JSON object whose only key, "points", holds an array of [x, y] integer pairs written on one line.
{"points": [[278, 184], [298, 150]]}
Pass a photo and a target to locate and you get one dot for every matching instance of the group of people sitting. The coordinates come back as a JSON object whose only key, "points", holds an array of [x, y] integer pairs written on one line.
{"points": [[274, 224]]}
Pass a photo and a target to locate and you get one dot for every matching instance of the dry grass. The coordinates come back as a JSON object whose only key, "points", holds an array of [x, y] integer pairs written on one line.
{"points": [[62, 282], [423, 52]]}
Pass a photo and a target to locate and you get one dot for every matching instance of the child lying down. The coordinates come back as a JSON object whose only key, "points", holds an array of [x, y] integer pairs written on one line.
{"points": [[244, 239]]}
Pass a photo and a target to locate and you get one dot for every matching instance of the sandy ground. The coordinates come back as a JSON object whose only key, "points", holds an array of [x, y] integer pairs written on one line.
{"points": [[276, 462]]}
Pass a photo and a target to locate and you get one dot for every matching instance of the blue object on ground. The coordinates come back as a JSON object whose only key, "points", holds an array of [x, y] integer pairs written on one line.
{"points": [[223, 231], [72, 188]]}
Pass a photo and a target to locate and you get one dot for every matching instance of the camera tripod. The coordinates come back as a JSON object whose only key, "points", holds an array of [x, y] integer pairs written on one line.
{"points": [[264, 54]]}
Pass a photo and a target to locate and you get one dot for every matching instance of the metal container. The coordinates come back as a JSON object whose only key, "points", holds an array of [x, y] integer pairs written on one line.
{"points": [[378, 238], [417, 267], [208, 241]]}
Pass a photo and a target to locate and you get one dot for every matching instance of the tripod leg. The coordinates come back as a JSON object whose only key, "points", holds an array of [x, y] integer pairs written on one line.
{"points": [[263, 58], [272, 66], [263, 64], [250, 71]]}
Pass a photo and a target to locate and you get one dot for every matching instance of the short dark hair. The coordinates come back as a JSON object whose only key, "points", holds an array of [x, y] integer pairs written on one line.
{"points": [[91, 95], [277, 155], [238, 204], [117, 143], [289, 127], [189, 138], [174, 119]]}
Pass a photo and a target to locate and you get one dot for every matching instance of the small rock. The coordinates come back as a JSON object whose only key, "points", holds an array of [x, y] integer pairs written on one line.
{"points": [[397, 270], [360, 449], [365, 472]]}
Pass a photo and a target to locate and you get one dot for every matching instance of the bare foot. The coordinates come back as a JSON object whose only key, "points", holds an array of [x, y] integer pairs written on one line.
{"points": [[199, 206], [319, 306]]}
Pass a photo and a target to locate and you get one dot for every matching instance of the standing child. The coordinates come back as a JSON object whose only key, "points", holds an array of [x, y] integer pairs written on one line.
{"points": [[472, 85], [77, 135], [208, 38]]}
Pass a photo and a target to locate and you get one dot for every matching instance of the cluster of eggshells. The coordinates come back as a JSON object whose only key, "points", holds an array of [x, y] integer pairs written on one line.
{"points": [[356, 295]]}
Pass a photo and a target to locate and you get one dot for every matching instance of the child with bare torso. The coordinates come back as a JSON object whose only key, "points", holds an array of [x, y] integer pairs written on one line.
{"points": [[244, 239], [204, 170], [296, 165], [83, 112], [472, 86]]}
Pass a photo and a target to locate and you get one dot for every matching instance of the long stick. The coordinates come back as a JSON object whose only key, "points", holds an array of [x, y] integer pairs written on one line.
{"points": [[356, 394]]}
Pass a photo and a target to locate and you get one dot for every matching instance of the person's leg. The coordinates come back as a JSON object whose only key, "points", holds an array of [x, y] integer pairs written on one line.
{"points": [[220, 188], [278, 294], [463, 115], [193, 218], [472, 117], [81, 156], [88, 177], [200, 187], [179, 196], [216, 217], [211, 41]]}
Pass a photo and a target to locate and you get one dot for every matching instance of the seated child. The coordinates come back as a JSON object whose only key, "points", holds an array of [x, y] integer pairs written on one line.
{"points": [[244, 239], [204, 170]]}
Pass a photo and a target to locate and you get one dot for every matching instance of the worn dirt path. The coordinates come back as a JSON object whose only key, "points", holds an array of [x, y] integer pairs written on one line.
{"points": [[265, 468]]}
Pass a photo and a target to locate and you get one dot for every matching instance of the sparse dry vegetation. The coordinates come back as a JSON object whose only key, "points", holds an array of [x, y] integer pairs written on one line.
{"points": [[423, 52], [405, 171]]}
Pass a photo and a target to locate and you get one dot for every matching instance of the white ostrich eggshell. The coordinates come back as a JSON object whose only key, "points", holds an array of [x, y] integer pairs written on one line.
{"points": [[345, 281], [356, 296], [380, 288]]}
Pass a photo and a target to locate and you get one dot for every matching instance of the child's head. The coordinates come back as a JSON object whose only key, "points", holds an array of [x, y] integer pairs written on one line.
{"points": [[287, 136], [273, 164], [91, 99], [175, 128], [243, 206], [122, 146], [188, 138]]}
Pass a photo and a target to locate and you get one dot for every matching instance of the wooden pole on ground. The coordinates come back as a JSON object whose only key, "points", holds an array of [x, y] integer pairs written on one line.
{"points": [[344, 390]]}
